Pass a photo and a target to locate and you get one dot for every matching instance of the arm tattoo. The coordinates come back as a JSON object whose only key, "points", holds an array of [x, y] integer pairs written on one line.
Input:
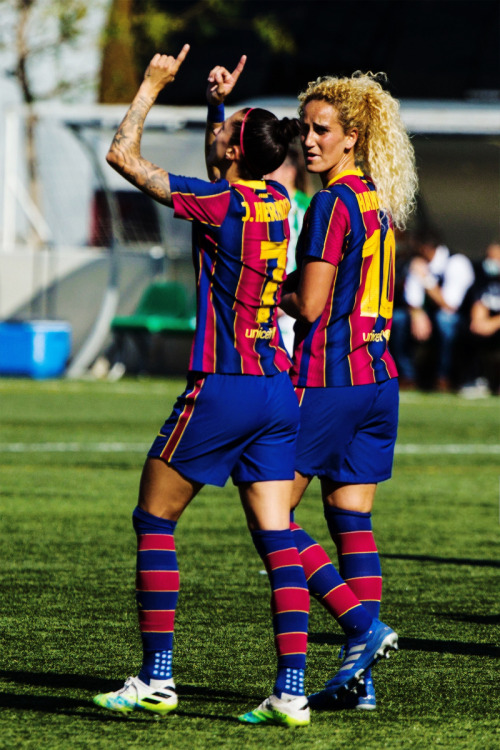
{"points": [[125, 154]]}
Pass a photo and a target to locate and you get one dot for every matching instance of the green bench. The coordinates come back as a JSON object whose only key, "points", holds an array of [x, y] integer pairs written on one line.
{"points": [[157, 337], [164, 307]]}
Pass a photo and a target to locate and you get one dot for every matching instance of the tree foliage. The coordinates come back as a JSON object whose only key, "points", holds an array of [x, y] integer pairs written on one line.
{"points": [[118, 78], [136, 27]]}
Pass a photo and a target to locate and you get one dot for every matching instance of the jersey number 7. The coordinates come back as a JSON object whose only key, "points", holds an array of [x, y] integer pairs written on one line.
{"points": [[271, 251]]}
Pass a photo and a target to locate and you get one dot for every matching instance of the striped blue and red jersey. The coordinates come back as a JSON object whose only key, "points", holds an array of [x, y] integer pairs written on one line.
{"points": [[348, 343], [240, 239]]}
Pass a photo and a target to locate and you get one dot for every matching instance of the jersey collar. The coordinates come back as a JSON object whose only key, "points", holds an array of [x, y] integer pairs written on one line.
{"points": [[357, 172], [253, 184]]}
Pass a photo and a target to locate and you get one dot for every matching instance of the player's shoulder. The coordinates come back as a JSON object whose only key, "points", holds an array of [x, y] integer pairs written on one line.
{"points": [[328, 198], [197, 185], [277, 187]]}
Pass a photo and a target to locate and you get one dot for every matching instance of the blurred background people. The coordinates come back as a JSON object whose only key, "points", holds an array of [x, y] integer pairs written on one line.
{"points": [[484, 338], [435, 291], [402, 344]]}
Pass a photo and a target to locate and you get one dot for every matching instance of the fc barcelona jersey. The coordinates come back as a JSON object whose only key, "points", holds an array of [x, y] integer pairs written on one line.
{"points": [[240, 239], [348, 343]]}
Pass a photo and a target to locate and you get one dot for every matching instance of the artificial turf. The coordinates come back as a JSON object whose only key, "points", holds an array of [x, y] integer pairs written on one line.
{"points": [[71, 454]]}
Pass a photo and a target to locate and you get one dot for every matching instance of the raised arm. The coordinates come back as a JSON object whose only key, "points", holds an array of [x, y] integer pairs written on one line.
{"points": [[124, 154], [220, 83]]}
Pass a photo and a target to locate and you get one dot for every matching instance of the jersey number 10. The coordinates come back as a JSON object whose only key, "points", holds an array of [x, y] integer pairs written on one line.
{"points": [[377, 296]]}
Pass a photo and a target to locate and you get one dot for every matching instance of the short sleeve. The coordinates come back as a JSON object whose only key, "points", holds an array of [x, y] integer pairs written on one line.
{"points": [[328, 224], [200, 200]]}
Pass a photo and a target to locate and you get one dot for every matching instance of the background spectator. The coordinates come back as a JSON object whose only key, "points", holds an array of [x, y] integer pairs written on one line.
{"points": [[435, 291], [484, 339], [402, 344]]}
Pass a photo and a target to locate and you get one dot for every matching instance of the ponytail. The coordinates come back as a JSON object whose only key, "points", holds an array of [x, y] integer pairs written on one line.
{"points": [[263, 141]]}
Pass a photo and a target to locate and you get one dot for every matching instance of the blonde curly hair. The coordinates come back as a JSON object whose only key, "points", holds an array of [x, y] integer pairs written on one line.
{"points": [[383, 149]]}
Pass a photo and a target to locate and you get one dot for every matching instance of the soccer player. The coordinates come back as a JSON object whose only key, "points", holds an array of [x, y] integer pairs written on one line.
{"points": [[345, 377], [238, 415]]}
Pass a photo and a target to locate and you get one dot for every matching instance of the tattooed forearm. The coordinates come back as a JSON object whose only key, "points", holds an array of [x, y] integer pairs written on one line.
{"points": [[125, 153], [153, 180]]}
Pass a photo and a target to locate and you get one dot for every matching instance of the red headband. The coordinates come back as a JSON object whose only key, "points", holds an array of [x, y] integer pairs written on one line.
{"points": [[242, 129]]}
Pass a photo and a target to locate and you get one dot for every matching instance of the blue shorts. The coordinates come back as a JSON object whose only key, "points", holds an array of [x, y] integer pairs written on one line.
{"points": [[243, 426], [348, 433]]}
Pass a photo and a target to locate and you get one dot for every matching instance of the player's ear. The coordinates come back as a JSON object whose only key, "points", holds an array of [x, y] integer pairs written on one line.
{"points": [[351, 137], [233, 153]]}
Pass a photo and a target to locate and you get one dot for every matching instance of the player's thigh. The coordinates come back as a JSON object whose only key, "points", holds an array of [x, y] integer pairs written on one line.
{"points": [[347, 434], [218, 419], [200, 437], [328, 421], [269, 454], [369, 456]]}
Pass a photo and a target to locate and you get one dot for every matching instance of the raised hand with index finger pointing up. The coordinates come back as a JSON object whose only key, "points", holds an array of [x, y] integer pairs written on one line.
{"points": [[221, 82], [163, 68]]}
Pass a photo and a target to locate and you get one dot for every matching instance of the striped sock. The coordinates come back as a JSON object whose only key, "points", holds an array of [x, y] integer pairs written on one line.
{"points": [[326, 585], [157, 591], [359, 562], [290, 607]]}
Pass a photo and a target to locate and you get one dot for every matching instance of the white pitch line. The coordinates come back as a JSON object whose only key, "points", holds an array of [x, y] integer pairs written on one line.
{"points": [[401, 448], [458, 449], [73, 447]]}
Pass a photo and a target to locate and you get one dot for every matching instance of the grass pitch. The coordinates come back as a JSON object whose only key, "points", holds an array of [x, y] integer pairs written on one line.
{"points": [[71, 454]]}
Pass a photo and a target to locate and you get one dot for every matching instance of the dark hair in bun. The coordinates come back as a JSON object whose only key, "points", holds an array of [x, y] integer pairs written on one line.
{"points": [[264, 141]]}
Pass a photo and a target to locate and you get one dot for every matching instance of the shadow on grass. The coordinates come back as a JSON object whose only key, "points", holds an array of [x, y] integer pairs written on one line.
{"points": [[445, 560], [55, 680], [422, 644], [84, 708], [477, 619], [53, 704]]}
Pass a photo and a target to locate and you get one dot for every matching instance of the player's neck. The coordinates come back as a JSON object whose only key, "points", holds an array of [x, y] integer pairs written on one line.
{"points": [[345, 163], [232, 174]]}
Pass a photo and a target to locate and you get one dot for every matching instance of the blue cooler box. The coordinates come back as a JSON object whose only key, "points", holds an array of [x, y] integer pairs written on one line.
{"points": [[35, 349]]}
